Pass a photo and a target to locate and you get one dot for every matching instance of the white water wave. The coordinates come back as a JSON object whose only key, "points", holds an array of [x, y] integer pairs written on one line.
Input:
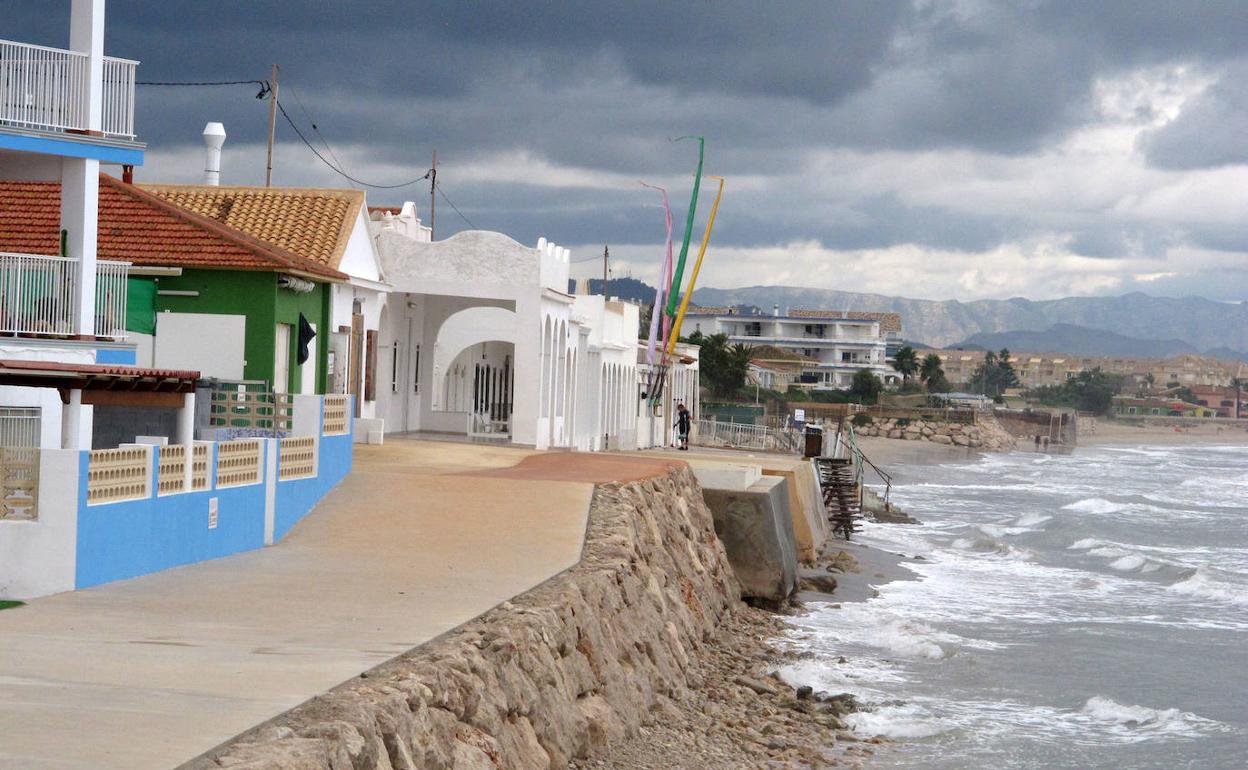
{"points": [[1202, 585], [1139, 723]]}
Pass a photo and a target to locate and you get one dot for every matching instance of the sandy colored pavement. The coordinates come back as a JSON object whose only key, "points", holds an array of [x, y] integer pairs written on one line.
{"points": [[152, 672]]}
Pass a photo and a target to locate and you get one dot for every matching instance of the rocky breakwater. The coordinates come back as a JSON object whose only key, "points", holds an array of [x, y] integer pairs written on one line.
{"points": [[986, 434], [560, 674]]}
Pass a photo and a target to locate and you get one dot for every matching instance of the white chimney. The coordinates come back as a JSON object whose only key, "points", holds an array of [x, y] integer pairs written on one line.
{"points": [[214, 137], [775, 310]]}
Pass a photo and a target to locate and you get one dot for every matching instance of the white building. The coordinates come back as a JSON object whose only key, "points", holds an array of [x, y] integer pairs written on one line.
{"points": [[64, 114], [840, 342], [481, 337]]}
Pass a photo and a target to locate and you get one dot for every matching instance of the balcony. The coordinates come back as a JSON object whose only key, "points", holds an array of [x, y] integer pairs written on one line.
{"points": [[46, 89], [37, 296]]}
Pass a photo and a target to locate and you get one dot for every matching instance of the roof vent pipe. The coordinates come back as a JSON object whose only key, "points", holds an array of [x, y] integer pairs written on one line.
{"points": [[214, 138], [775, 310]]}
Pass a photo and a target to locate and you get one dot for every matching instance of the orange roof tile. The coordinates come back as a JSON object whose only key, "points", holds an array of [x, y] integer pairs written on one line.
{"points": [[137, 227], [311, 222]]}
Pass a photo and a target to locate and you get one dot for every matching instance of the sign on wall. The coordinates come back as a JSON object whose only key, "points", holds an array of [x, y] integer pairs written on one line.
{"points": [[212, 513]]}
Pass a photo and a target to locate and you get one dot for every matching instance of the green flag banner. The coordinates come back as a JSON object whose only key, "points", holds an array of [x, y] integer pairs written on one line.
{"points": [[673, 291]]}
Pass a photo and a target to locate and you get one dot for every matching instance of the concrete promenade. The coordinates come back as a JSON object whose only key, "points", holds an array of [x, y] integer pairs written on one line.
{"points": [[154, 671]]}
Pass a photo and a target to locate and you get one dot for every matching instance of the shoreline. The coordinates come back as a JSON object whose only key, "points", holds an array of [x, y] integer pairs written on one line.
{"points": [[1120, 433]]}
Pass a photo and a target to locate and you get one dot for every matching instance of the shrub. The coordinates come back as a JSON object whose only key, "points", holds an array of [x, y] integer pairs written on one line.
{"points": [[861, 420]]}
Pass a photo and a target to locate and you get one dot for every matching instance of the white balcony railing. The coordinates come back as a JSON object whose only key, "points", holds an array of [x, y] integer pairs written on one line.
{"points": [[46, 88], [37, 295]]}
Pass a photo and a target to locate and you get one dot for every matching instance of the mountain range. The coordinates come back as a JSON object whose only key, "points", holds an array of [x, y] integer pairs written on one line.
{"points": [[1158, 324], [1077, 341]]}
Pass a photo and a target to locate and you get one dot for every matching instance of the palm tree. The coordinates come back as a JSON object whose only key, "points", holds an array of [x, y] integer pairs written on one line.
{"points": [[906, 362], [932, 373], [1236, 383]]}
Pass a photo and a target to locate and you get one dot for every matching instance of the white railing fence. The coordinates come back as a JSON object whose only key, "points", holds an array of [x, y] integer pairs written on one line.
{"points": [[110, 298], [20, 426], [711, 433], [37, 295], [46, 88], [117, 118]]}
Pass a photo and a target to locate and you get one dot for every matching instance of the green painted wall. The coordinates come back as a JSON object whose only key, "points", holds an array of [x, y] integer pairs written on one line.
{"points": [[255, 295]]}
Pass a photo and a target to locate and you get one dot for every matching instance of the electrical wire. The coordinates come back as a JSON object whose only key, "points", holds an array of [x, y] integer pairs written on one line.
{"points": [[344, 174], [457, 211], [316, 130], [263, 83]]}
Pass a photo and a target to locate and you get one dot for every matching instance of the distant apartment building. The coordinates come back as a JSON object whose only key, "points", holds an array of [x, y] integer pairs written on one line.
{"points": [[1039, 369], [837, 343]]}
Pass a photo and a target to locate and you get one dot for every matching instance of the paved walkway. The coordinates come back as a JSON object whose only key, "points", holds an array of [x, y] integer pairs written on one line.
{"points": [[152, 672]]}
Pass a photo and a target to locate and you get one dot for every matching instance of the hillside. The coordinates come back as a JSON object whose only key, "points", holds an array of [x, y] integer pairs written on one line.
{"points": [[1078, 341], [1198, 322]]}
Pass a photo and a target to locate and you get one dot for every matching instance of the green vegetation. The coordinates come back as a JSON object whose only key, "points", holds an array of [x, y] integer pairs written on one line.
{"points": [[994, 375], [906, 362], [861, 420], [932, 373], [723, 366], [866, 387], [8, 604], [1089, 391], [820, 396]]}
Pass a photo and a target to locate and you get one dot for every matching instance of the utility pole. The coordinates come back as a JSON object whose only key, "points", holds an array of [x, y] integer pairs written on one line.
{"points": [[268, 168], [606, 255], [433, 187]]}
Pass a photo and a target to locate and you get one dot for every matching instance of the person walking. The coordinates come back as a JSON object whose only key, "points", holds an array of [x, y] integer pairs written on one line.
{"points": [[684, 421]]}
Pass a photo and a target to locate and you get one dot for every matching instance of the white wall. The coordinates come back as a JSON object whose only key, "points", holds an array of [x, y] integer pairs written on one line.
{"points": [[38, 557], [209, 343]]}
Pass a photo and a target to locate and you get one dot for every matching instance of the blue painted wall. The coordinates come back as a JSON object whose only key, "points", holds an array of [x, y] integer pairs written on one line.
{"points": [[135, 537], [298, 496], [115, 356]]}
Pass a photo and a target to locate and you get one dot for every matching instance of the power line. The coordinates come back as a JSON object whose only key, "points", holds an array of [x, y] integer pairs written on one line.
{"points": [[457, 211], [342, 173], [316, 130], [265, 87]]}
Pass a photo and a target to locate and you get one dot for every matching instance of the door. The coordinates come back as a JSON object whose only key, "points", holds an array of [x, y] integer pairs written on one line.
{"points": [[281, 359], [357, 359]]}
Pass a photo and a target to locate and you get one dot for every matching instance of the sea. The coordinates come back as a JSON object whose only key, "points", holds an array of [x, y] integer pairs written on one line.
{"points": [[1084, 610]]}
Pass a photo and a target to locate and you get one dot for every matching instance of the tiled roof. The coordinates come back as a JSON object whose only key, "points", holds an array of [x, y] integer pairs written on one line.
{"points": [[695, 310], [136, 226], [310, 222], [889, 322]]}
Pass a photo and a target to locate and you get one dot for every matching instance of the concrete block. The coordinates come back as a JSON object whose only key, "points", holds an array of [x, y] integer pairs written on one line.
{"points": [[756, 529], [365, 427], [376, 436], [736, 478], [810, 521], [153, 440]]}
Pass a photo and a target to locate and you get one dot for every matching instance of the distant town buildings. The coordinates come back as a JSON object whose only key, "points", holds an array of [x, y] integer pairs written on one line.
{"points": [[1039, 369], [834, 344]]}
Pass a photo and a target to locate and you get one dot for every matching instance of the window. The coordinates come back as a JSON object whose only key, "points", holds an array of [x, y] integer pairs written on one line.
{"points": [[394, 367], [846, 357]]}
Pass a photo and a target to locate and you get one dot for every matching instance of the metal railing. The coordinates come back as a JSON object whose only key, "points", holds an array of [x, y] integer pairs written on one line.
{"points": [[37, 295], [46, 88], [20, 426], [712, 433]]}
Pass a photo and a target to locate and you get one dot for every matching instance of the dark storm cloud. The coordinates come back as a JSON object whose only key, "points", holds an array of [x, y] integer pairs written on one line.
{"points": [[602, 87], [1209, 132]]}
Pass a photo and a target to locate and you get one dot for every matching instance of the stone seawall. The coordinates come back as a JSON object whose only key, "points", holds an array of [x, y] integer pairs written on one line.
{"points": [[985, 434], [558, 673]]}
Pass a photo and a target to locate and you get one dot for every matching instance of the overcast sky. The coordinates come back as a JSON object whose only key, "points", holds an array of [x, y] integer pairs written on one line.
{"points": [[931, 149]]}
